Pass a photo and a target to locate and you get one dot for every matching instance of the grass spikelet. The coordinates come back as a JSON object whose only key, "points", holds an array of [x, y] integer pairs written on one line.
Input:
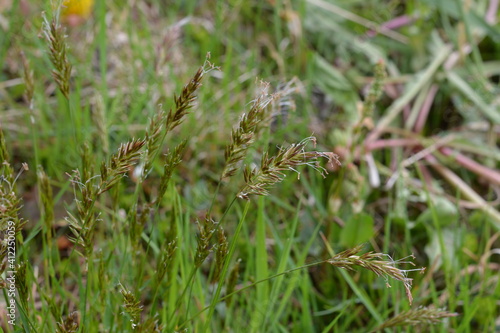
{"points": [[22, 284], [416, 317], [379, 263], [47, 200], [69, 324], [220, 253], [7, 171], [132, 306], [186, 99], [174, 158], [102, 280], [244, 134], [10, 203], [231, 282], [206, 230], [375, 91], [154, 138], [142, 215], [28, 79], [167, 255], [99, 120], [87, 167], [83, 227], [128, 154], [54, 36], [271, 170], [163, 266], [163, 122]]}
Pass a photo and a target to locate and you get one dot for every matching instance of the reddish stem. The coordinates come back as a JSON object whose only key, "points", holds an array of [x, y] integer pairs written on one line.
{"points": [[395, 23], [426, 107], [491, 13], [379, 144], [490, 174]]}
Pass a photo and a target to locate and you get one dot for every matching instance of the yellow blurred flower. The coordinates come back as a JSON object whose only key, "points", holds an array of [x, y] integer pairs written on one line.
{"points": [[76, 12]]}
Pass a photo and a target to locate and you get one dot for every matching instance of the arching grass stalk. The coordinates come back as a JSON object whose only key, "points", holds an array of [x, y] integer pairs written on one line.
{"points": [[379, 263]]}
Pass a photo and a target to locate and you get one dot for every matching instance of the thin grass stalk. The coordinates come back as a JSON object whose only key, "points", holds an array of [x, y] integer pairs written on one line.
{"points": [[101, 124], [170, 319], [366, 115], [229, 295], [231, 282], [47, 200], [223, 273], [162, 268], [195, 268], [88, 285], [380, 264], [384, 30], [29, 94]]}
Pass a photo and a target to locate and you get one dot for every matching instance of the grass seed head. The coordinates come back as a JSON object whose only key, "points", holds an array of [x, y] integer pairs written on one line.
{"points": [[416, 317], [379, 263], [272, 168], [55, 38]]}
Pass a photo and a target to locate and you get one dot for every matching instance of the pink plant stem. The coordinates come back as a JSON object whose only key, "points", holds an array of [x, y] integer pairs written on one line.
{"points": [[380, 144], [392, 91], [465, 189], [398, 22], [491, 13], [426, 107], [406, 112], [481, 170], [395, 23]]}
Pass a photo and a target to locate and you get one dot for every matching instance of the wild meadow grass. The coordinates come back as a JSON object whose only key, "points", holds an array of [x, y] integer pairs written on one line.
{"points": [[234, 166]]}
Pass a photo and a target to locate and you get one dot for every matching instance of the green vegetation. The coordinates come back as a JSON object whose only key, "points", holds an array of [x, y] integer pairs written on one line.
{"points": [[153, 183]]}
